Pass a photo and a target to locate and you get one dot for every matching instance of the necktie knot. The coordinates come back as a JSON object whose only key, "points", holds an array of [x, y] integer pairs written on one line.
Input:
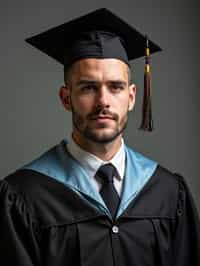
{"points": [[106, 172]]}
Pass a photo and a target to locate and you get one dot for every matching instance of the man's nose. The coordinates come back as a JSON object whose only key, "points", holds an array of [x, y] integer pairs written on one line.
{"points": [[103, 97]]}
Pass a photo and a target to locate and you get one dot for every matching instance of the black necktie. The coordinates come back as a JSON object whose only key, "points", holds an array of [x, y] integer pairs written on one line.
{"points": [[108, 192]]}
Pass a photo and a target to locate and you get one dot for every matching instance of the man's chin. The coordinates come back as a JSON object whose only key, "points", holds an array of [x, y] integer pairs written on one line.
{"points": [[102, 138]]}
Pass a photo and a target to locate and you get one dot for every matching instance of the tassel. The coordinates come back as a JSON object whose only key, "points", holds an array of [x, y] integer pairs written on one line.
{"points": [[147, 121]]}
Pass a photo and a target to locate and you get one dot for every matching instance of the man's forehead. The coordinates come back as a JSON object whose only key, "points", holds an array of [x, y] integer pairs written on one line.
{"points": [[95, 66]]}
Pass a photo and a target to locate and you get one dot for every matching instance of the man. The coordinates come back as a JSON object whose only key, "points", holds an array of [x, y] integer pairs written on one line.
{"points": [[91, 200]]}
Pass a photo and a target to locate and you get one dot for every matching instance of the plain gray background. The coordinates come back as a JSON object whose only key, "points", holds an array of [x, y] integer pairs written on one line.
{"points": [[32, 118]]}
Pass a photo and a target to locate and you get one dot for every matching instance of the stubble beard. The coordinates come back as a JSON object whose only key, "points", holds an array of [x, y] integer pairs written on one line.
{"points": [[91, 135]]}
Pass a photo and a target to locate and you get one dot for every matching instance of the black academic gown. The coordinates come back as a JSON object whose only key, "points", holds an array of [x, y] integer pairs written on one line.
{"points": [[43, 222]]}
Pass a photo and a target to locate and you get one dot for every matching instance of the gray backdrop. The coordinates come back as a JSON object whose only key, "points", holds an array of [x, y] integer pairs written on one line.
{"points": [[32, 118]]}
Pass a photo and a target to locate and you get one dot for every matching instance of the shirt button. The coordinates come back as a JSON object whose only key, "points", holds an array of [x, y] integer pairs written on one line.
{"points": [[115, 229]]}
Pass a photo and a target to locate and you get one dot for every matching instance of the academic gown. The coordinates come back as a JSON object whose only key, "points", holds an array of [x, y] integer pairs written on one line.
{"points": [[48, 219]]}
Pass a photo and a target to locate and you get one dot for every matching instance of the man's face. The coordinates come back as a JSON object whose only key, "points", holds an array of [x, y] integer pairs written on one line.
{"points": [[99, 97]]}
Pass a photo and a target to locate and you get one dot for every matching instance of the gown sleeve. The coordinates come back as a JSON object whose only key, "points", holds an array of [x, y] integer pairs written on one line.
{"points": [[19, 241], [187, 232]]}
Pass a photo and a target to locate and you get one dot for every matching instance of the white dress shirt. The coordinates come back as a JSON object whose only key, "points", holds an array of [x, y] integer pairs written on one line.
{"points": [[91, 164]]}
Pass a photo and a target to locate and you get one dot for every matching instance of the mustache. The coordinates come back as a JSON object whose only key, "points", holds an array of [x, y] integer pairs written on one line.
{"points": [[104, 112]]}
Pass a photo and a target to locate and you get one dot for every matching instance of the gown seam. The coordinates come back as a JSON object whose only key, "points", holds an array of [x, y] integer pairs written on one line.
{"points": [[116, 221]]}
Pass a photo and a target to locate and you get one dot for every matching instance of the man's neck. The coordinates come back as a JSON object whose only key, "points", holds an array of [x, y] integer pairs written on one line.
{"points": [[104, 151]]}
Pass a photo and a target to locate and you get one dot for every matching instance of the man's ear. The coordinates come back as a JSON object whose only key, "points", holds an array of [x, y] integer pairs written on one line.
{"points": [[64, 94], [132, 96]]}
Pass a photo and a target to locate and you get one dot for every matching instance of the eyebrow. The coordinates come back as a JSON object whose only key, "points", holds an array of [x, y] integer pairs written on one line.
{"points": [[86, 82], [94, 82], [118, 82]]}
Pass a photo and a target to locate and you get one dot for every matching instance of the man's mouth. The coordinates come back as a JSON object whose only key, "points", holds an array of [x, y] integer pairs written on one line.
{"points": [[101, 118]]}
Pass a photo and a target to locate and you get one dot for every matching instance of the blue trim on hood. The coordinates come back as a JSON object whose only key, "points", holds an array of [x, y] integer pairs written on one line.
{"points": [[57, 163]]}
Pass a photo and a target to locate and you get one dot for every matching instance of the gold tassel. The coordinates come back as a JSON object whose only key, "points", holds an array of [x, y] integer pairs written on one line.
{"points": [[147, 121]]}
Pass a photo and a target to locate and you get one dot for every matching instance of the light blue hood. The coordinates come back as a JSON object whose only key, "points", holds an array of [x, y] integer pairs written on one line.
{"points": [[57, 163]]}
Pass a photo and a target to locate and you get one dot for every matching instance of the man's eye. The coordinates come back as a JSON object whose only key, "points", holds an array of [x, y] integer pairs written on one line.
{"points": [[88, 88], [117, 87]]}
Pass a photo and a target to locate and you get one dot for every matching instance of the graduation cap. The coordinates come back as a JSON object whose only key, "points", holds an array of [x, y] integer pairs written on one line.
{"points": [[99, 34]]}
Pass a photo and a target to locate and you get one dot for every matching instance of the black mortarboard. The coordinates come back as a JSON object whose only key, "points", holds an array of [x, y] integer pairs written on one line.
{"points": [[99, 34]]}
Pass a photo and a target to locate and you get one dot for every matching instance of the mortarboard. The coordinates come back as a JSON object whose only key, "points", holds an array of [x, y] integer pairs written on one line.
{"points": [[99, 34]]}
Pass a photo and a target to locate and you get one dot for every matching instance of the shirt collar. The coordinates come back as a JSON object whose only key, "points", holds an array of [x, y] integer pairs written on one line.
{"points": [[92, 163]]}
